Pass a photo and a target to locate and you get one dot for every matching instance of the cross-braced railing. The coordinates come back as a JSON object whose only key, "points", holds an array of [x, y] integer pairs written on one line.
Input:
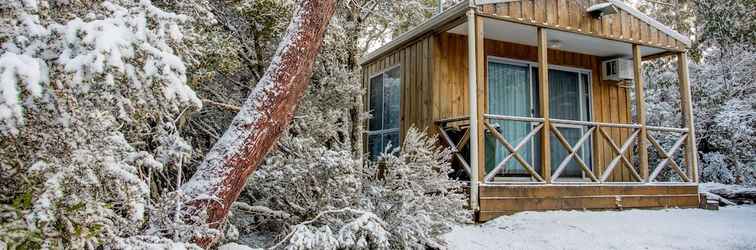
{"points": [[620, 154], [667, 156], [462, 124], [514, 150]]}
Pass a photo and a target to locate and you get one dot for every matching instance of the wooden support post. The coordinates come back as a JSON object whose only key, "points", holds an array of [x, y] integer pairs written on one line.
{"points": [[543, 101], [687, 112], [482, 99], [640, 107], [476, 138]]}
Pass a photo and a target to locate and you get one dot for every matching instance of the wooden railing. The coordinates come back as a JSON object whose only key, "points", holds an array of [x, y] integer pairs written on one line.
{"points": [[620, 157], [514, 151], [455, 147]]}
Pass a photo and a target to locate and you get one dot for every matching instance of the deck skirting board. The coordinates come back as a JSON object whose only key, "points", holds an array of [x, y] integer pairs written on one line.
{"points": [[506, 200]]}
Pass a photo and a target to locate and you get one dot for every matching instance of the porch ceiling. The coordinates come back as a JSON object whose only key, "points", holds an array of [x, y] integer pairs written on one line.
{"points": [[572, 42]]}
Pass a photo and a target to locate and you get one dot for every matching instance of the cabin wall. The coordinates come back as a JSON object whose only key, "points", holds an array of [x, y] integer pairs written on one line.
{"points": [[611, 103], [570, 15], [435, 85], [415, 60]]}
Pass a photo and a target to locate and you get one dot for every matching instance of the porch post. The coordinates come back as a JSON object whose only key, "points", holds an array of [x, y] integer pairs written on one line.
{"points": [[686, 105], [543, 101], [640, 106], [482, 95], [475, 129]]}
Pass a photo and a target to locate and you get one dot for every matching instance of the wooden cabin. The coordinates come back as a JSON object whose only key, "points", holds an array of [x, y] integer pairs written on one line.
{"points": [[541, 103]]}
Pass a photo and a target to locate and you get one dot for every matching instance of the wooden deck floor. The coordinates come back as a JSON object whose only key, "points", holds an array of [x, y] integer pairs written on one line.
{"points": [[498, 200]]}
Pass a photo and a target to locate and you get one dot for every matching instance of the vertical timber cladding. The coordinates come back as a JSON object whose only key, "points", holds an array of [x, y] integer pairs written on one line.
{"points": [[570, 15], [416, 89], [610, 102]]}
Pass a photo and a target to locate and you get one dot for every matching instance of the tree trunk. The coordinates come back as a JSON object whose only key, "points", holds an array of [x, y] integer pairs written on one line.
{"points": [[265, 114]]}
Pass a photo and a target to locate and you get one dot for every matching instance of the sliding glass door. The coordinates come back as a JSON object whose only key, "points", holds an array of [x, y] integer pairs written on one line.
{"points": [[509, 92], [512, 91], [567, 101]]}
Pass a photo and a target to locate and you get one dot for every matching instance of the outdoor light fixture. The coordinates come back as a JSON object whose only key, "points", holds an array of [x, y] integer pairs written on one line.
{"points": [[602, 9]]}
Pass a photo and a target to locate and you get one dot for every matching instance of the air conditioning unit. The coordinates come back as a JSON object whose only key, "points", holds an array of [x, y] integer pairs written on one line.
{"points": [[617, 69]]}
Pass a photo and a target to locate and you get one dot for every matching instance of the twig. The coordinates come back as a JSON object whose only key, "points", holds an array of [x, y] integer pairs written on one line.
{"points": [[222, 105], [261, 210]]}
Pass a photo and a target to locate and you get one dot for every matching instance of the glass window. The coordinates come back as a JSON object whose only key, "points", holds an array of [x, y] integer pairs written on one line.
{"points": [[385, 110], [513, 90], [376, 103]]}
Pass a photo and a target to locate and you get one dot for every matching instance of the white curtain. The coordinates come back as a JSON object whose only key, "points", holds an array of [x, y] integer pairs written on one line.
{"points": [[564, 103], [508, 94]]}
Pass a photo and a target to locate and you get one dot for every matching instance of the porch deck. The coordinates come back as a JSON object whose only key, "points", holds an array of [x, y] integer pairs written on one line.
{"points": [[669, 184]]}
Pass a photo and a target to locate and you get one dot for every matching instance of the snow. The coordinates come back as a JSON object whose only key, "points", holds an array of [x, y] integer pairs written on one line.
{"points": [[728, 228], [706, 187], [234, 246], [133, 44], [15, 68], [728, 194]]}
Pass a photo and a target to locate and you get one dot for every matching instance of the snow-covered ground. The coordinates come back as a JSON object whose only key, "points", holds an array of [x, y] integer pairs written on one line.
{"points": [[728, 228]]}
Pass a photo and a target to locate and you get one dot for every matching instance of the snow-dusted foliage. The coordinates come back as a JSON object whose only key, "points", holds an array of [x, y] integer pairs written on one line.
{"points": [[90, 94], [116, 48], [412, 192], [150, 242], [723, 85], [723, 88], [354, 230], [335, 202], [716, 168]]}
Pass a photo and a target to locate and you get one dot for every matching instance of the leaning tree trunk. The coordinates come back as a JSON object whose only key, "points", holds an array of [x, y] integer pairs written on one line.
{"points": [[265, 114]]}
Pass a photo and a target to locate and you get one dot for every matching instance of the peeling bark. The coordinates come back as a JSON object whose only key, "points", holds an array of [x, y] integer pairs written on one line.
{"points": [[265, 114]]}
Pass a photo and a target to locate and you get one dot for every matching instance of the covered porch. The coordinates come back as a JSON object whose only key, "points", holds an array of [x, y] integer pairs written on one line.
{"points": [[533, 123]]}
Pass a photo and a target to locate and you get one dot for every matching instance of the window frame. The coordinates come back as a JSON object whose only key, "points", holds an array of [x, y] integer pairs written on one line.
{"points": [[383, 132]]}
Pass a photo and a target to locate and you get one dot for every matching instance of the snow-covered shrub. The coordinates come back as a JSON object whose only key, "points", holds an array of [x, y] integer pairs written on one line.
{"points": [[90, 95], [413, 194], [303, 179], [723, 88], [168, 220], [150, 242], [716, 169], [723, 85], [122, 50], [340, 229], [86, 186], [319, 197]]}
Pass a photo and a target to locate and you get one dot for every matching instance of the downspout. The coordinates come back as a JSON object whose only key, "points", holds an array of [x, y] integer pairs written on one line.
{"points": [[473, 97]]}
